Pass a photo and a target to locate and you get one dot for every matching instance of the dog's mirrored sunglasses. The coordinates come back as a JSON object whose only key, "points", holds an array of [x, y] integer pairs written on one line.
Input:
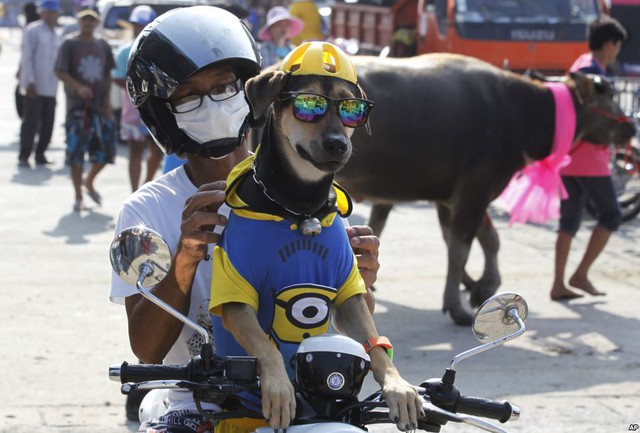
{"points": [[220, 92], [311, 107]]}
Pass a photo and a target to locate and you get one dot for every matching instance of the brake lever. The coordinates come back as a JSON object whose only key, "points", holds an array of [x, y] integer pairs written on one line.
{"points": [[462, 418], [128, 388]]}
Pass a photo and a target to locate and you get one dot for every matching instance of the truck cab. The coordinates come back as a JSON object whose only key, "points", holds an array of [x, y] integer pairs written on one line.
{"points": [[514, 34]]}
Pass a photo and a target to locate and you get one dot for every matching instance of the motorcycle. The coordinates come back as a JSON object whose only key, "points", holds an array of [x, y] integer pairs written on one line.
{"points": [[330, 369]]}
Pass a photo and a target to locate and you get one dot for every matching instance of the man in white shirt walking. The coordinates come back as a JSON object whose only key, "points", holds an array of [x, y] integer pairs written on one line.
{"points": [[39, 83]]}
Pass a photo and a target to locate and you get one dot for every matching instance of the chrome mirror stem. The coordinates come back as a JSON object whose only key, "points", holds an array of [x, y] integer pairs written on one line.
{"points": [[146, 269], [512, 314]]}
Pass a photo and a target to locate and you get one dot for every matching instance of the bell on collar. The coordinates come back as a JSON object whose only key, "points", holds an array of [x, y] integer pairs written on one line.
{"points": [[311, 227]]}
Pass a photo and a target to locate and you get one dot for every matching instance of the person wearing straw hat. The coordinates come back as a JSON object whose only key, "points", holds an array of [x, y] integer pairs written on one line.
{"points": [[275, 35]]}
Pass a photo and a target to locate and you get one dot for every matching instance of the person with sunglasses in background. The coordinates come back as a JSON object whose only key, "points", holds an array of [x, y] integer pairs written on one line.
{"points": [[185, 75]]}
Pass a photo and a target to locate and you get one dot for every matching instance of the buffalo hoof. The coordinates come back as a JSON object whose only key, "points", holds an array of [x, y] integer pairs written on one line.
{"points": [[483, 290], [460, 314]]}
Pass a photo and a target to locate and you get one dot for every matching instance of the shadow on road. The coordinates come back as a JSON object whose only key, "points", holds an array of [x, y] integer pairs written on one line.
{"points": [[591, 348], [76, 226]]}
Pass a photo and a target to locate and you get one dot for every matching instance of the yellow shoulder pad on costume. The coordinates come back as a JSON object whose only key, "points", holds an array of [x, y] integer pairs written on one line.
{"points": [[343, 201], [232, 199]]}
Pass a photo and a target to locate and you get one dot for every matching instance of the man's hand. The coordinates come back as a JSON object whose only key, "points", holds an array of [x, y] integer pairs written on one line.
{"points": [[199, 217], [365, 245], [84, 92], [31, 91]]}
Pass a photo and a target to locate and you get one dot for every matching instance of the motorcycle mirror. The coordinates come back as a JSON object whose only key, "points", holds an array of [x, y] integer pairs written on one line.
{"points": [[495, 319], [142, 258], [498, 320], [137, 248]]}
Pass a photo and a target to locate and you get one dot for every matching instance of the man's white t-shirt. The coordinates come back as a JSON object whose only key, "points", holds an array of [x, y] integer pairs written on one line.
{"points": [[158, 205]]}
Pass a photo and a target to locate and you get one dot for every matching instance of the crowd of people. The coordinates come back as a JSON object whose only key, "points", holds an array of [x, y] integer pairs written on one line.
{"points": [[187, 100], [49, 57]]}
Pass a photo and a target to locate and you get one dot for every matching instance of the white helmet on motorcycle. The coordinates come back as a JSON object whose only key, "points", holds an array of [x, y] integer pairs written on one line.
{"points": [[331, 366], [177, 45]]}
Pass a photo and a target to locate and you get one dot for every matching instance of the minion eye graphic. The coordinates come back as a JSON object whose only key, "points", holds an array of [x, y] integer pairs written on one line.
{"points": [[302, 311], [308, 311]]}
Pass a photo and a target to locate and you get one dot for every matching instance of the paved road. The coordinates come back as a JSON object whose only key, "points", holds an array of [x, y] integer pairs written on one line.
{"points": [[576, 370]]}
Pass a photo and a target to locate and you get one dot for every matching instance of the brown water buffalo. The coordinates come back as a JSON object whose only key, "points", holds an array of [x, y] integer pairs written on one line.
{"points": [[454, 130]]}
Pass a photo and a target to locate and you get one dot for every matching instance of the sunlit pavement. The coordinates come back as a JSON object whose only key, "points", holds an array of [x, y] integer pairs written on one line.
{"points": [[577, 369]]}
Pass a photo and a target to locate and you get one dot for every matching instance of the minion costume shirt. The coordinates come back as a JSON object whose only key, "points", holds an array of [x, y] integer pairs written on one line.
{"points": [[292, 281]]}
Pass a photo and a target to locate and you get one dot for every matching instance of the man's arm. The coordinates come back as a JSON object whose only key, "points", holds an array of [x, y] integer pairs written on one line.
{"points": [[152, 331], [110, 65], [27, 68], [108, 113], [278, 398], [405, 405], [73, 85]]}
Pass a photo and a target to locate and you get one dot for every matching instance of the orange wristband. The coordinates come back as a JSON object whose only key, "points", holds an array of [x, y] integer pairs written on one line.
{"points": [[379, 341]]}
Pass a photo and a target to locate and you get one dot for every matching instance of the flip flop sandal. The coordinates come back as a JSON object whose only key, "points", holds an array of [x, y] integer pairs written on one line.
{"points": [[79, 206], [95, 197]]}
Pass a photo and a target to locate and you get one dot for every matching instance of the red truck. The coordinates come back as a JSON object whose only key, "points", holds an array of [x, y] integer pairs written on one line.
{"points": [[516, 34]]}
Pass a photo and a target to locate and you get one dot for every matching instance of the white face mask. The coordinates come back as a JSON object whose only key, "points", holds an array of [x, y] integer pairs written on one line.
{"points": [[214, 120]]}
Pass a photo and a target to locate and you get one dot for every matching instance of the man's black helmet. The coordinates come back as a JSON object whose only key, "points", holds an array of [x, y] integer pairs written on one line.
{"points": [[175, 46]]}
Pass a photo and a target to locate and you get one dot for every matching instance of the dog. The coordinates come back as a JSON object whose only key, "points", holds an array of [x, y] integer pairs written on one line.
{"points": [[285, 244], [454, 130]]}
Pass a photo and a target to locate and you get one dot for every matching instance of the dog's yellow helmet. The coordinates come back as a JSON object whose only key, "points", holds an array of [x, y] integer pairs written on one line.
{"points": [[319, 58]]}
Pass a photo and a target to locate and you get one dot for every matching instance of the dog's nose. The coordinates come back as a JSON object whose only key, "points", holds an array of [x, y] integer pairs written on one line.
{"points": [[335, 145]]}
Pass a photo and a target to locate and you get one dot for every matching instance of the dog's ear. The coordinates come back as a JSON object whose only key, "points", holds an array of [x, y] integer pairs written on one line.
{"points": [[261, 91]]}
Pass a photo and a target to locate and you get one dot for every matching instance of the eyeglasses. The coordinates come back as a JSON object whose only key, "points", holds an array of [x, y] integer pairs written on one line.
{"points": [[311, 107], [220, 92]]}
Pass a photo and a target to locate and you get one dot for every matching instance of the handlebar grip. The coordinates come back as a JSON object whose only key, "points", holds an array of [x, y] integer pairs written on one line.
{"points": [[145, 372], [502, 411]]}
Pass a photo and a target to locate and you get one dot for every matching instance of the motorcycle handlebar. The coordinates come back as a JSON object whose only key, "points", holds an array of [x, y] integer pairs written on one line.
{"points": [[146, 372], [502, 411]]}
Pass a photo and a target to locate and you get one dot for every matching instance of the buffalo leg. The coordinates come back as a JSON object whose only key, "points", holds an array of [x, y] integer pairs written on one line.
{"points": [[488, 284], [444, 217], [465, 219], [378, 217]]}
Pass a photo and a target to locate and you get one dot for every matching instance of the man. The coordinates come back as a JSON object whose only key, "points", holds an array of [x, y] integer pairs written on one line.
{"points": [[588, 175], [132, 129], [84, 65], [39, 83], [184, 204]]}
